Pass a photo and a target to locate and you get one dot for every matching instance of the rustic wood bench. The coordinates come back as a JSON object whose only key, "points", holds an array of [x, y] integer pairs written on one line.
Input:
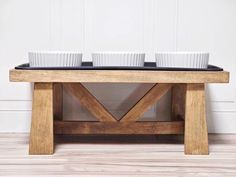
{"points": [[188, 105]]}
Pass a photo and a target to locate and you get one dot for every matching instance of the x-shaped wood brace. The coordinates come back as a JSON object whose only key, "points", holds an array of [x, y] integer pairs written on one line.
{"points": [[103, 115]]}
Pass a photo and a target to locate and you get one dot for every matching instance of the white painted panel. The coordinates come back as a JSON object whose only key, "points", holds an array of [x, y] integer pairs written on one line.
{"points": [[24, 26], [91, 25], [159, 26], [55, 24], [210, 26], [67, 25], [113, 25], [165, 16]]}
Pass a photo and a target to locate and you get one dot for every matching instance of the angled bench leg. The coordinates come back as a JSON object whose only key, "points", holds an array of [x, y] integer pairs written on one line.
{"points": [[195, 136], [41, 134]]}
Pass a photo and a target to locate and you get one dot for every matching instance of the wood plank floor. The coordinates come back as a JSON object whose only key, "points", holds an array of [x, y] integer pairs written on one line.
{"points": [[118, 156]]}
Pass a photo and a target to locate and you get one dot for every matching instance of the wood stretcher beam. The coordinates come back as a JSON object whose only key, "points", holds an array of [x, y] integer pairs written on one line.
{"points": [[72, 127]]}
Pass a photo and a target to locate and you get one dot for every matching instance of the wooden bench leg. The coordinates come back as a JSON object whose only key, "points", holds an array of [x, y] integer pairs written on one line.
{"points": [[58, 101], [41, 134], [195, 135], [178, 101]]}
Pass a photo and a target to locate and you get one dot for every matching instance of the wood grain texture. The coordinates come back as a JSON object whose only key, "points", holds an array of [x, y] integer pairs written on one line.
{"points": [[119, 76], [118, 156], [195, 134], [70, 127], [178, 95], [151, 97], [41, 135], [57, 101], [90, 102]]}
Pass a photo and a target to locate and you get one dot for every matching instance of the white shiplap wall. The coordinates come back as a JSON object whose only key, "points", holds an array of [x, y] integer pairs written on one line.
{"points": [[91, 25]]}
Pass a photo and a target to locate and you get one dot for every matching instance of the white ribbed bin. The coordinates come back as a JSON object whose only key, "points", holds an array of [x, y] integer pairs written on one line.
{"points": [[54, 59], [182, 59], [118, 59]]}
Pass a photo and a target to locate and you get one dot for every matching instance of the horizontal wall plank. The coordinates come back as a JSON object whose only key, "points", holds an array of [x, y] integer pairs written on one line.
{"points": [[111, 105], [15, 121], [19, 121], [15, 105]]}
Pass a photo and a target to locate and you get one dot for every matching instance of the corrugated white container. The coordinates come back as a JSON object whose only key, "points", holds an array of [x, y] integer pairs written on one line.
{"points": [[118, 59], [55, 59], [182, 59]]}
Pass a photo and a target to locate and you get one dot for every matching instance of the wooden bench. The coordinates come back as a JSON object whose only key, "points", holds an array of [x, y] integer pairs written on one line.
{"points": [[188, 105]]}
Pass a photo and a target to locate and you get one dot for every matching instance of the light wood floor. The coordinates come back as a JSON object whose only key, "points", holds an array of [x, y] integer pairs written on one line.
{"points": [[116, 156]]}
